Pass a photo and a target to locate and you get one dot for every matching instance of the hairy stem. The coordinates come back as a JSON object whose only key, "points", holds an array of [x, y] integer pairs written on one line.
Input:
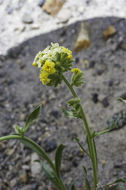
{"points": [[91, 143]]}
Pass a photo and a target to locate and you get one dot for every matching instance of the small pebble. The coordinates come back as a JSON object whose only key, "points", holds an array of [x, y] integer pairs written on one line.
{"points": [[110, 83], [35, 27], [75, 163], [92, 64], [109, 32], [41, 3], [105, 102], [55, 113], [95, 97], [77, 60], [64, 16], [27, 19], [117, 65], [23, 177], [35, 166], [9, 10], [123, 46], [49, 145]]}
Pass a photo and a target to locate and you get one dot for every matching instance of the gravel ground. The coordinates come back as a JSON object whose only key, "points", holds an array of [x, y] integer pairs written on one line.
{"points": [[104, 67]]}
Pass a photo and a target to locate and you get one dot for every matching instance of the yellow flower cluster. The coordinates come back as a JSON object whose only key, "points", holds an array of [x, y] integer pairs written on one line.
{"points": [[69, 52], [53, 61], [44, 77], [76, 70], [47, 69]]}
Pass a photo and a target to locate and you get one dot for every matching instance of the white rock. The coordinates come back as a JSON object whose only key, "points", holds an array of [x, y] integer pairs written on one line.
{"points": [[71, 11], [64, 15], [35, 166]]}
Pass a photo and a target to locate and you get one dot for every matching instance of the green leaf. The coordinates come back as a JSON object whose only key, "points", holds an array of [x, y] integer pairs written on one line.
{"points": [[32, 145], [94, 134], [86, 179], [31, 118], [77, 79], [51, 175], [82, 148], [19, 130], [73, 187], [74, 101], [73, 113], [58, 158], [121, 187], [68, 113], [122, 100], [35, 147], [89, 148], [114, 182], [96, 158]]}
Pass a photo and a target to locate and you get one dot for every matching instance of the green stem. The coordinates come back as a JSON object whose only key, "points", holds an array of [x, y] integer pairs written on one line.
{"points": [[91, 143]]}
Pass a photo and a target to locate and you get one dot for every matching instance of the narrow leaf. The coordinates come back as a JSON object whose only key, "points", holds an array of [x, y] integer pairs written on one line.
{"points": [[82, 148], [31, 118], [35, 147], [58, 158], [121, 187], [32, 145], [122, 100], [114, 182], [51, 175], [96, 158], [74, 101], [86, 179], [73, 187], [94, 134], [68, 113], [19, 130], [89, 148]]}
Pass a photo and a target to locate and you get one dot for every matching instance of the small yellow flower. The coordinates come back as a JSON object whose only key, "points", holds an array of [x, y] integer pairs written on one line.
{"points": [[40, 61], [49, 67], [69, 56], [44, 77], [34, 64], [66, 50], [76, 70]]}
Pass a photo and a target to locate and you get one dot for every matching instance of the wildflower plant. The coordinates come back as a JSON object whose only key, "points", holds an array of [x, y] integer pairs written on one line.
{"points": [[54, 62]]}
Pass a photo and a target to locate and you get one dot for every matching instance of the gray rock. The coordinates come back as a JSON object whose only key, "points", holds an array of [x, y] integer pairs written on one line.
{"points": [[27, 19], [28, 187], [20, 4], [9, 10], [105, 102], [119, 118], [49, 145]]}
